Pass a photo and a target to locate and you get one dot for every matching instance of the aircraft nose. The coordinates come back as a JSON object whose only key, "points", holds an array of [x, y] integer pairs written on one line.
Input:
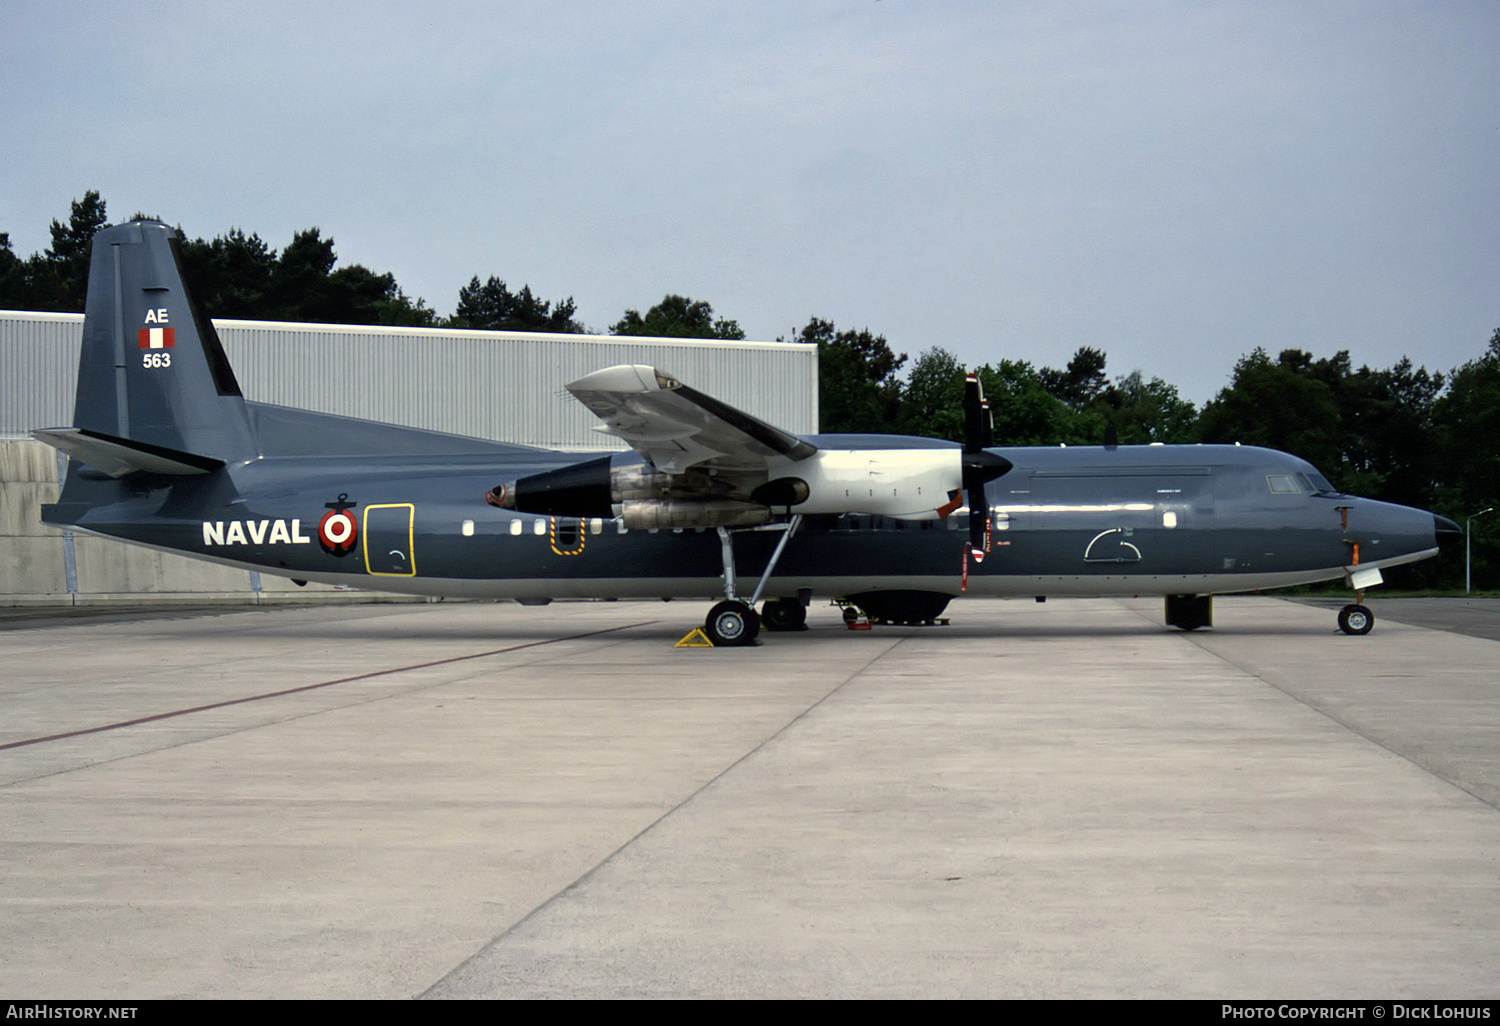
{"points": [[1448, 533]]}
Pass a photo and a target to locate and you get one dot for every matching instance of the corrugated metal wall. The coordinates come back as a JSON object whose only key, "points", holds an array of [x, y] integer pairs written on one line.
{"points": [[38, 370], [500, 385]]}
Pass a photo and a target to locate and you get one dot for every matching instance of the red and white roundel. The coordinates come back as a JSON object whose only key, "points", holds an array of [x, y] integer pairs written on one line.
{"points": [[338, 531]]}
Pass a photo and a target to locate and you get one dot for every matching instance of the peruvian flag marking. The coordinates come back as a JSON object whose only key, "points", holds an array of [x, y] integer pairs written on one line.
{"points": [[157, 338]]}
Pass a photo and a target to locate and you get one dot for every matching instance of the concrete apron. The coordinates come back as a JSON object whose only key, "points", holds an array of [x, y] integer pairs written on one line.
{"points": [[1059, 800]]}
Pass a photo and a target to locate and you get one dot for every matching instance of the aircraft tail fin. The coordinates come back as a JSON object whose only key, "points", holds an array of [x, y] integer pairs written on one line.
{"points": [[155, 390]]}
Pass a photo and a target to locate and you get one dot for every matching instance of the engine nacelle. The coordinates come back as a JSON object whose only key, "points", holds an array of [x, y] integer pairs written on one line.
{"points": [[909, 484], [579, 490], [645, 498], [668, 514]]}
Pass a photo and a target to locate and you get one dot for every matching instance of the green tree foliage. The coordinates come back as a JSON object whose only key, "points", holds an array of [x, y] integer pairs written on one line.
{"points": [[397, 309], [1278, 405], [1468, 419], [932, 403], [1026, 409], [69, 253], [1025, 412], [1389, 432], [1082, 383], [299, 281], [1022, 410], [858, 390], [1370, 431], [1470, 416], [677, 317], [238, 275], [231, 275], [492, 306], [1143, 412], [12, 276], [56, 279]]}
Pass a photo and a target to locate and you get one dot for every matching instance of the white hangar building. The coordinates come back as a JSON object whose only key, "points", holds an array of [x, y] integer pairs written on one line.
{"points": [[502, 385]]}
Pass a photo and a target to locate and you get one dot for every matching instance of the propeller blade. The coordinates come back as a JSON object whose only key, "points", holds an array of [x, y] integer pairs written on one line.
{"points": [[978, 432], [979, 466]]}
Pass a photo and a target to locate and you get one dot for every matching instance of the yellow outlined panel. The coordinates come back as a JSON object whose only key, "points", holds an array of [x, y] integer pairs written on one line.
{"points": [[389, 538], [552, 529]]}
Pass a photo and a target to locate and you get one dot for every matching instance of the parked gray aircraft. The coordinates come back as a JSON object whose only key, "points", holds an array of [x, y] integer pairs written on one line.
{"points": [[166, 452]]}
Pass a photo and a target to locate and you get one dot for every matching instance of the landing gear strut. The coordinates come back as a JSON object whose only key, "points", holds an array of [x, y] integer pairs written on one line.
{"points": [[734, 621], [1356, 617]]}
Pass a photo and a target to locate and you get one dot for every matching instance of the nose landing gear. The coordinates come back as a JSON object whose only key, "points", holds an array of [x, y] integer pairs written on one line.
{"points": [[1356, 619]]}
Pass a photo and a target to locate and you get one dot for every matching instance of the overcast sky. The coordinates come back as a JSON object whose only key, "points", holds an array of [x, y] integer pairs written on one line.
{"points": [[1172, 182]]}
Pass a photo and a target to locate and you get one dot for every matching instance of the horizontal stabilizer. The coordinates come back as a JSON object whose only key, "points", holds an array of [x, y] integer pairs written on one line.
{"points": [[117, 457]]}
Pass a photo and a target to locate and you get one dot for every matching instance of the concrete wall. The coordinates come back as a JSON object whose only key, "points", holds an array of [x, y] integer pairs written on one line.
{"points": [[42, 565]]}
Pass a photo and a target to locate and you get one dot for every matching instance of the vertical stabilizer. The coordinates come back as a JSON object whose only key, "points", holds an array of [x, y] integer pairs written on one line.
{"points": [[152, 371]]}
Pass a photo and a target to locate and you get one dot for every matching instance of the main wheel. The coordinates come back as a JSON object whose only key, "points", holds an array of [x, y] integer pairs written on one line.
{"points": [[783, 614], [1356, 619], [731, 622]]}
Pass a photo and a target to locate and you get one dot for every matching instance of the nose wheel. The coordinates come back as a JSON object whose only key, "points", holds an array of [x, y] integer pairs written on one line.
{"points": [[1356, 619]]}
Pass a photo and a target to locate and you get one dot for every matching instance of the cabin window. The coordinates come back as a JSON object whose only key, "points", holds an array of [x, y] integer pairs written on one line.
{"points": [[515, 526], [1283, 484]]}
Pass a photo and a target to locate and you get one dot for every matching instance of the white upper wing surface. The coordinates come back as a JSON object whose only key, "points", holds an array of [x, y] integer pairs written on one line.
{"points": [[676, 427]]}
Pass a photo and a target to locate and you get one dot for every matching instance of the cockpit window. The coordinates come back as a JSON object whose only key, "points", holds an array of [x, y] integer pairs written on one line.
{"points": [[1282, 484], [1317, 484]]}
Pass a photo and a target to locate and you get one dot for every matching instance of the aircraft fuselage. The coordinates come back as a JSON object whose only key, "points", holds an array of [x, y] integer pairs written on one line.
{"points": [[1065, 521]]}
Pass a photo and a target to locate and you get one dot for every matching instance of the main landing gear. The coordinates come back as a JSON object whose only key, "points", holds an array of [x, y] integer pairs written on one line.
{"points": [[734, 621], [1190, 612], [784, 614]]}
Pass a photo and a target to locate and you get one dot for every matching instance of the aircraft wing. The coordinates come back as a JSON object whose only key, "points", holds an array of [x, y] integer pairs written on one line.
{"points": [[676, 427]]}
